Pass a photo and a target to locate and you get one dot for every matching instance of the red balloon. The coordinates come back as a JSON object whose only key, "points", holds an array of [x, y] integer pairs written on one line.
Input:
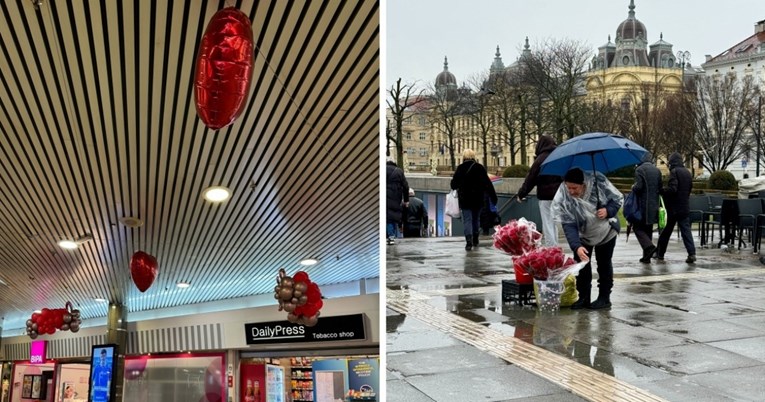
{"points": [[223, 68], [143, 270], [301, 276]]}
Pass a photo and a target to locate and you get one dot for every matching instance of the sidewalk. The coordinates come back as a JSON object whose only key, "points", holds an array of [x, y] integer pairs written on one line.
{"points": [[676, 331]]}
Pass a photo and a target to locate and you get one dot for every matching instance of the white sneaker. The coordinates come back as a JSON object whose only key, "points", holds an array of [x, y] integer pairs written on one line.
{"points": [[390, 241]]}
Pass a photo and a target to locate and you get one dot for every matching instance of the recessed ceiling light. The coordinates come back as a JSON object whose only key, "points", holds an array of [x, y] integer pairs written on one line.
{"points": [[309, 261], [183, 285], [68, 244], [99, 299], [216, 194], [73, 244]]}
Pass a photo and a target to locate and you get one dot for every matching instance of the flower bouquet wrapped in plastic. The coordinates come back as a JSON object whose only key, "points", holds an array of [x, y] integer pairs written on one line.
{"points": [[553, 273], [517, 237]]}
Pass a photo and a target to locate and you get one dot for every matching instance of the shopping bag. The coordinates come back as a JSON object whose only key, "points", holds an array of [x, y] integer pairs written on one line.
{"points": [[452, 205], [662, 215], [631, 209]]}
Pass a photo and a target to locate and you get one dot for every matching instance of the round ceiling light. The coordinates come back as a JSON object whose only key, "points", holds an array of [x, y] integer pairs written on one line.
{"points": [[309, 261], [183, 285], [216, 194], [68, 244]]}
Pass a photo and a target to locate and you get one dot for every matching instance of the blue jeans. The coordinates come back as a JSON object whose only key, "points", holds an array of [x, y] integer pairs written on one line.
{"points": [[685, 233], [391, 230], [471, 218]]}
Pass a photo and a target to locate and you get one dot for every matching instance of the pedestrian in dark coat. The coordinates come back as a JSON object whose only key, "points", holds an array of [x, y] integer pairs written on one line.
{"points": [[647, 187], [396, 199], [547, 186], [471, 182], [415, 216], [676, 196]]}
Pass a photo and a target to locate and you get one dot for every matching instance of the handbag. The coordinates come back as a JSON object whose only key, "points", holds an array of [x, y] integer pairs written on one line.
{"points": [[662, 214], [452, 205], [631, 209]]}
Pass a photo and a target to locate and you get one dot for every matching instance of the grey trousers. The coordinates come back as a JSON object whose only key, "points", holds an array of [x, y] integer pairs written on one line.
{"points": [[549, 226], [644, 234]]}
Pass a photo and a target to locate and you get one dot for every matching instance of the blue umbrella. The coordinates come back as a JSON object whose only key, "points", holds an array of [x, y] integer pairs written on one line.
{"points": [[601, 152]]}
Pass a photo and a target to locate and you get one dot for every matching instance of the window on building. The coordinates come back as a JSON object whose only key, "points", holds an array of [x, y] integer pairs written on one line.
{"points": [[423, 152], [408, 136], [423, 136], [626, 60]]}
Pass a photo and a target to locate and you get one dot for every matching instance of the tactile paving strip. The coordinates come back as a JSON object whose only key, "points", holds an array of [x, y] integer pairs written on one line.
{"points": [[575, 377], [617, 281]]}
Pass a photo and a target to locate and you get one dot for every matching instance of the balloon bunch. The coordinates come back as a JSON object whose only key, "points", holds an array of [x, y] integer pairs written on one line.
{"points": [[299, 297], [49, 320]]}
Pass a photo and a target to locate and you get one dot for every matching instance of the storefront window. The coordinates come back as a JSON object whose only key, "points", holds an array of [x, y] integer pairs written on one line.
{"points": [[181, 377]]}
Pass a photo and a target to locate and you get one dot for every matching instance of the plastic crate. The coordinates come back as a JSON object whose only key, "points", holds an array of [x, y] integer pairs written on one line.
{"points": [[521, 294]]}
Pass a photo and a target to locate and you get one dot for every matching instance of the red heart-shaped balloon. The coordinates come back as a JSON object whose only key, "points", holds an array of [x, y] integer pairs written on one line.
{"points": [[143, 270]]}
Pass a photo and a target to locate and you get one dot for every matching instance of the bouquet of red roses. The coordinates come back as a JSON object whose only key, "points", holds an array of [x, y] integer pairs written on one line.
{"points": [[517, 237], [545, 263]]}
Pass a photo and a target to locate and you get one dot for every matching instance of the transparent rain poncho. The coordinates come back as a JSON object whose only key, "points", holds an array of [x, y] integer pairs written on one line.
{"points": [[581, 211]]}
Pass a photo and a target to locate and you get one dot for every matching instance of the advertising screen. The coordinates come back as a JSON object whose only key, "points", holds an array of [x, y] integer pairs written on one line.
{"points": [[103, 361]]}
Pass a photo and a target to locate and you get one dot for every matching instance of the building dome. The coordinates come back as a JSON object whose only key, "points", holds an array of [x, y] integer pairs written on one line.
{"points": [[631, 28], [445, 78]]}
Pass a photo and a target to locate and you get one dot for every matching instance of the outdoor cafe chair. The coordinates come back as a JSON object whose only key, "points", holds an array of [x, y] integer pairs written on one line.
{"points": [[711, 219], [748, 211], [697, 205]]}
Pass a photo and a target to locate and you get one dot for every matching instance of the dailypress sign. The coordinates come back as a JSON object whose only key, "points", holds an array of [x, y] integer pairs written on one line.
{"points": [[337, 328]]}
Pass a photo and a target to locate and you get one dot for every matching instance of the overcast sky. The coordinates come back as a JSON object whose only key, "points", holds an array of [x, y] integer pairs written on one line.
{"points": [[419, 33]]}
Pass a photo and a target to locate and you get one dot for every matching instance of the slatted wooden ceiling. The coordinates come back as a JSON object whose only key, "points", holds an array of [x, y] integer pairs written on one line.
{"points": [[97, 123]]}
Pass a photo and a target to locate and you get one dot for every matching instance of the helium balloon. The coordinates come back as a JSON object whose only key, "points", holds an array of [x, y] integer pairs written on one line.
{"points": [[223, 68], [143, 271]]}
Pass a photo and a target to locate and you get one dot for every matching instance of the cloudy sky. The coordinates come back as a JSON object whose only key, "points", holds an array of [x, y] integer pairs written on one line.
{"points": [[419, 33]]}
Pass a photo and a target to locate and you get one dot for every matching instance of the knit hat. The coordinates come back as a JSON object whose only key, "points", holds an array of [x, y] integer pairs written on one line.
{"points": [[574, 175]]}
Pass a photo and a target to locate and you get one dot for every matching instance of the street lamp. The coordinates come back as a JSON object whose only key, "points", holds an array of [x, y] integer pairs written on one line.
{"points": [[682, 57]]}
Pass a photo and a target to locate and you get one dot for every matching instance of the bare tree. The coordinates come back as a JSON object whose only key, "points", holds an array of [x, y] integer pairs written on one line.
{"points": [[674, 125], [447, 108], [556, 69], [514, 106], [754, 120], [598, 116], [719, 116], [482, 112], [401, 98]]}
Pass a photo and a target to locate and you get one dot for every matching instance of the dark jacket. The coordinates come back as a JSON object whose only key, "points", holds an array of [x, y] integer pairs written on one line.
{"points": [[415, 216], [678, 190], [647, 188], [471, 182], [397, 192], [546, 185]]}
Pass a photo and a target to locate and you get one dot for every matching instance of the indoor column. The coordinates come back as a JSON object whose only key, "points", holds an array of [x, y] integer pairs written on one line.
{"points": [[116, 333]]}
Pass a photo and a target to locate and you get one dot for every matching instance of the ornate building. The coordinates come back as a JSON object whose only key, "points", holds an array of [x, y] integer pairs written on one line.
{"points": [[627, 65]]}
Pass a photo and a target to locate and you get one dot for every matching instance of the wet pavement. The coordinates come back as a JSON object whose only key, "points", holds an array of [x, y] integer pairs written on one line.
{"points": [[676, 331]]}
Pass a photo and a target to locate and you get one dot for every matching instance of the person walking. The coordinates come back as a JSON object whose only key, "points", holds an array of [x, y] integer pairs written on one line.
{"points": [[471, 182], [396, 199], [586, 207], [547, 186], [676, 196], [415, 217], [647, 188]]}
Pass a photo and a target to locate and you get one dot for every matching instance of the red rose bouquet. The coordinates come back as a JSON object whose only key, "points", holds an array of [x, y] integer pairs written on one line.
{"points": [[545, 263], [517, 237]]}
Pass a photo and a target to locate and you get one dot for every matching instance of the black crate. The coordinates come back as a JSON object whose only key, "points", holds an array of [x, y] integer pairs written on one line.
{"points": [[521, 294]]}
